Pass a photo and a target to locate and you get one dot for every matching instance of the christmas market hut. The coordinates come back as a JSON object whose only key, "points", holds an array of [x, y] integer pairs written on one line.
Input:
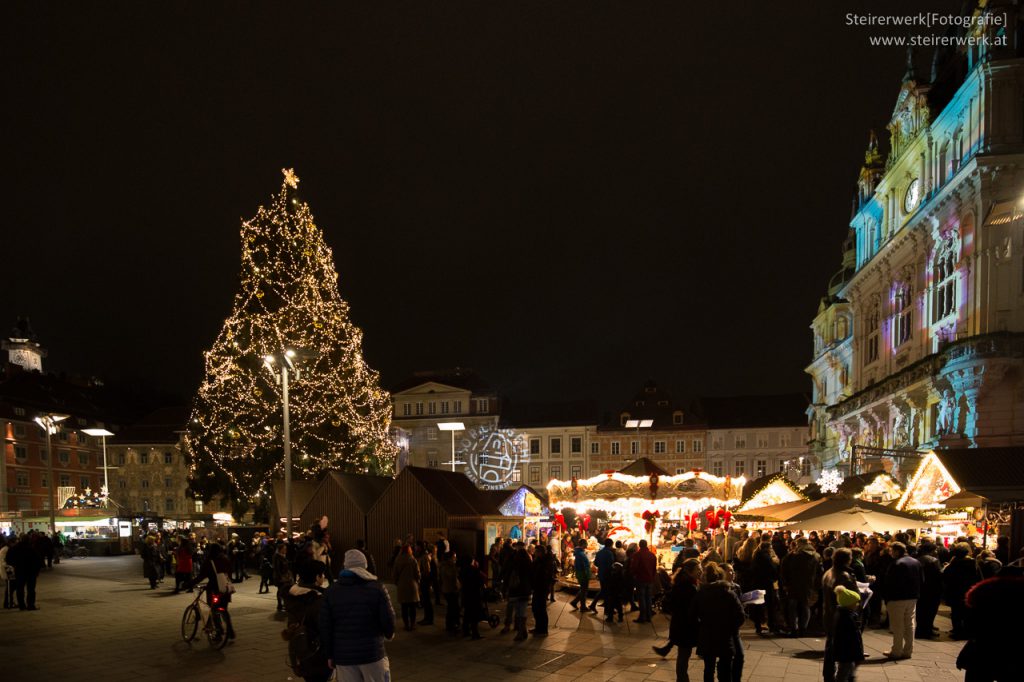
{"points": [[345, 499], [874, 486], [975, 492], [767, 491], [521, 514], [302, 492], [425, 502]]}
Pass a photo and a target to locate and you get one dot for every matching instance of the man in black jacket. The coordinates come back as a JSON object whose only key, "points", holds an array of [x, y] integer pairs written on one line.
{"points": [[27, 562], [355, 619], [902, 589], [800, 576], [931, 591]]}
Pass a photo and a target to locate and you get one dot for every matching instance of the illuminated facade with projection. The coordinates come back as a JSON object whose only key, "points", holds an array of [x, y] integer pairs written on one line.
{"points": [[919, 343]]}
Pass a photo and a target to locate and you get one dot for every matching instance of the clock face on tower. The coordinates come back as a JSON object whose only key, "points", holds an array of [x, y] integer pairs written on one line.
{"points": [[913, 195]]}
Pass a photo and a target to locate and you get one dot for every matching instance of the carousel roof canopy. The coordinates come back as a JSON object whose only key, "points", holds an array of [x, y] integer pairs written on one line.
{"points": [[642, 467]]}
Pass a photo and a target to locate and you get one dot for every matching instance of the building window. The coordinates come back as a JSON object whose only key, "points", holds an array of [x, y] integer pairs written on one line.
{"points": [[432, 407], [83, 459], [555, 446], [784, 440], [19, 411], [143, 458], [741, 440], [576, 445], [576, 470], [44, 480], [24, 504], [534, 473], [419, 409], [716, 468], [62, 435], [659, 447], [595, 448], [168, 482], [535, 446], [762, 440], [122, 484], [697, 446], [761, 468], [199, 506], [445, 405], [944, 277], [902, 309], [431, 433], [716, 444], [84, 480], [22, 478], [483, 405], [169, 504], [555, 471], [517, 475], [145, 483], [65, 480], [406, 409], [83, 439], [680, 447], [19, 430], [739, 466], [432, 463], [677, 417], [43, 455], [64, 456], [20, 453], [680, 470], [168, 458], [634, 447], [120, 458], [871, 353], [805, 466], [457, 405], [615, 448]]}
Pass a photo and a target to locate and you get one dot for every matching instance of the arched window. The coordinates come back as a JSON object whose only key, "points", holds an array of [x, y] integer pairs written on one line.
{"points": [[902, 314], [944, 279], [872, 334]]}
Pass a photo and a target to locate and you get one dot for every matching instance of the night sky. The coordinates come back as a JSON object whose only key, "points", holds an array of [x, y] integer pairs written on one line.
{"points": [[570, 198]]}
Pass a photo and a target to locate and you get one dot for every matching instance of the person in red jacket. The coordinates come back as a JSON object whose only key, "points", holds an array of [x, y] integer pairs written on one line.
{"points": [[644, 567], [182, 565]]}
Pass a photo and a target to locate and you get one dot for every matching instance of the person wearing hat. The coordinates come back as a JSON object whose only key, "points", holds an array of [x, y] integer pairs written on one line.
{"points": [[355, 619], [847, 643]]}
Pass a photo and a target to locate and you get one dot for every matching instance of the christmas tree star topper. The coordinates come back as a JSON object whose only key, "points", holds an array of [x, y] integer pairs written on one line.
{"points": [[290, 178]]}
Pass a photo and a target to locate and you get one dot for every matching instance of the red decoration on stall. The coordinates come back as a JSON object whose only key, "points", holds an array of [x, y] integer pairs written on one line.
{"points": [[693, 522], [584, 522], [653, 485], [559, 523], [724, 516], [712, 517], [650, 519]]}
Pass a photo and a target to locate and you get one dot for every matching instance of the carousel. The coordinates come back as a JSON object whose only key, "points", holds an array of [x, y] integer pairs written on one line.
{"points": [[654, 508]]}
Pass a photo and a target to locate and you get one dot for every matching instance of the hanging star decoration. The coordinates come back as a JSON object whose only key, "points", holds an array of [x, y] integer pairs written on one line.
{"points": [[290, 178]]}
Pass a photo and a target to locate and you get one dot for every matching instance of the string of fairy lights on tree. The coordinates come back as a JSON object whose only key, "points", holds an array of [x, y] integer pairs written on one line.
{"points": [[288, 299]]}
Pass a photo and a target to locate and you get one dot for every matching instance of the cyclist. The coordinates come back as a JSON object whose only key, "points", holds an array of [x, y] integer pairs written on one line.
{"points": [[216, 562]]}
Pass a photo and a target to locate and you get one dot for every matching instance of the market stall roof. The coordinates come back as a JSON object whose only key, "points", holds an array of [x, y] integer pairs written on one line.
{"points": [[514, 502], [642, 467], [454, 492], [302, 493], [871, 484], [994, 473], [773, 489], [362, 489], [965, 498], [844, 514], [772, 513]]}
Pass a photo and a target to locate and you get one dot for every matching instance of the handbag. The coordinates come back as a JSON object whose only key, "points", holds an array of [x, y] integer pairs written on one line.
{"points": [[224, 585]]}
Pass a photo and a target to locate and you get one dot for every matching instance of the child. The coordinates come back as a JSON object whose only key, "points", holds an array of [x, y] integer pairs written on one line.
{"points": [[847, 644], [613, 592]]}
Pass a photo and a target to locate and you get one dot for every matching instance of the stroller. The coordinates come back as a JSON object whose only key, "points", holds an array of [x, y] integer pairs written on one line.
{"points": [[660, 599]]}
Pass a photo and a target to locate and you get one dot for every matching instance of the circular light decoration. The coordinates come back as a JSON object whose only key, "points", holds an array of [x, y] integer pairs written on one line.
{"points": [[829, 481], [492, 455]]}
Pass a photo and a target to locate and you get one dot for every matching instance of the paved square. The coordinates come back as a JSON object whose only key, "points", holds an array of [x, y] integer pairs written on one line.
{"points": [[98, 619]]}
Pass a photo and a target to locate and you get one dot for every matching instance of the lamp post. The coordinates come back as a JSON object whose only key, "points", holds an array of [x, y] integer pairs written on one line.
{"points": [[102, 433], [453, 427], [48, 423], [280, 364], [639, 424]]}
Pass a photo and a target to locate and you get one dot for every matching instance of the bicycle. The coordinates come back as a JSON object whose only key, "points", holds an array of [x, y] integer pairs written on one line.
{"points": [[214, 618]]}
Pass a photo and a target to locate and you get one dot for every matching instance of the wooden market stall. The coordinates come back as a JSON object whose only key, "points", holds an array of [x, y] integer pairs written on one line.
{"points": [[873, 486], [345, 499], [767, 491]]}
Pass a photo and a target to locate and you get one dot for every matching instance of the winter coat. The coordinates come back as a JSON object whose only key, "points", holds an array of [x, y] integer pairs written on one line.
{"points": [[355, 618], [644, 566], [581, 565], [931, 578], [302, 605], [183, 556], [903, 580], [800, 572], [764, 571], [847, 643], [603, 561], [829, 581], [449, 574], [682, 629], [407, 578], [719, 615], [472, 580], [516, 575], [958, 577], [995, 629], [542, 573], [150, 561]]}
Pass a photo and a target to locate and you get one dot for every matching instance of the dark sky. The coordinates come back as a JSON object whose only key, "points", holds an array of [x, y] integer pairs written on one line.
{"points": [[569, 197]]}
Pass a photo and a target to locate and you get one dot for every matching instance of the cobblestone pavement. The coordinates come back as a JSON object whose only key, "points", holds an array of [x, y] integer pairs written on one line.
{"points": [[98, 619]]}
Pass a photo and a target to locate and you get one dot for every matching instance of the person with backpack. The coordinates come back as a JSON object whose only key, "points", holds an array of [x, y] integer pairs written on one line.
{"points": [[306, 653], [356, 618]]}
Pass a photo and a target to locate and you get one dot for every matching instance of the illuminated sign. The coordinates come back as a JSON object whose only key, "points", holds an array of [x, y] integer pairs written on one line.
{"points": [[493, 455]]}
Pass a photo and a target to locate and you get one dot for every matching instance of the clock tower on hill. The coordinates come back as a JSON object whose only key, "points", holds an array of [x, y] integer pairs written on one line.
{"points": [[22, 348]]}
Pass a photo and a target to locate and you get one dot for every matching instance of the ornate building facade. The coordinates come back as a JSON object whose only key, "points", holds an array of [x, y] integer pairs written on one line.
{"points": [[920, 341]]}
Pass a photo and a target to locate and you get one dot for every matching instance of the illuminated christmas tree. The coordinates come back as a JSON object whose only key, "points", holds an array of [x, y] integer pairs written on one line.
{"points": [[288, 300]]}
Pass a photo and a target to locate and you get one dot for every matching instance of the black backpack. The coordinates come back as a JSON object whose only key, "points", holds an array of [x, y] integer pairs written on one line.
{"points": [[305, 655]]}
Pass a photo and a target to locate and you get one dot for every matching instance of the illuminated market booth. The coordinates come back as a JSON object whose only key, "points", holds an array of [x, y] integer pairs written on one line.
{"points": [[769, 491], [521, 515], [976, 492], [874, 486], [652, 507]]}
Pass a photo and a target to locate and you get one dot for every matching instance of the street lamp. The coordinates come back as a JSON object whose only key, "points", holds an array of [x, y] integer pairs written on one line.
{"points": [[102, 433], [280, 364], [639, 424], [453, 427], [48, 423]]}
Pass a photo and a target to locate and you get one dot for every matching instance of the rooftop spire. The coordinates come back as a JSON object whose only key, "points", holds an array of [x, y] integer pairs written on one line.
{"points": [[910, 74]]}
